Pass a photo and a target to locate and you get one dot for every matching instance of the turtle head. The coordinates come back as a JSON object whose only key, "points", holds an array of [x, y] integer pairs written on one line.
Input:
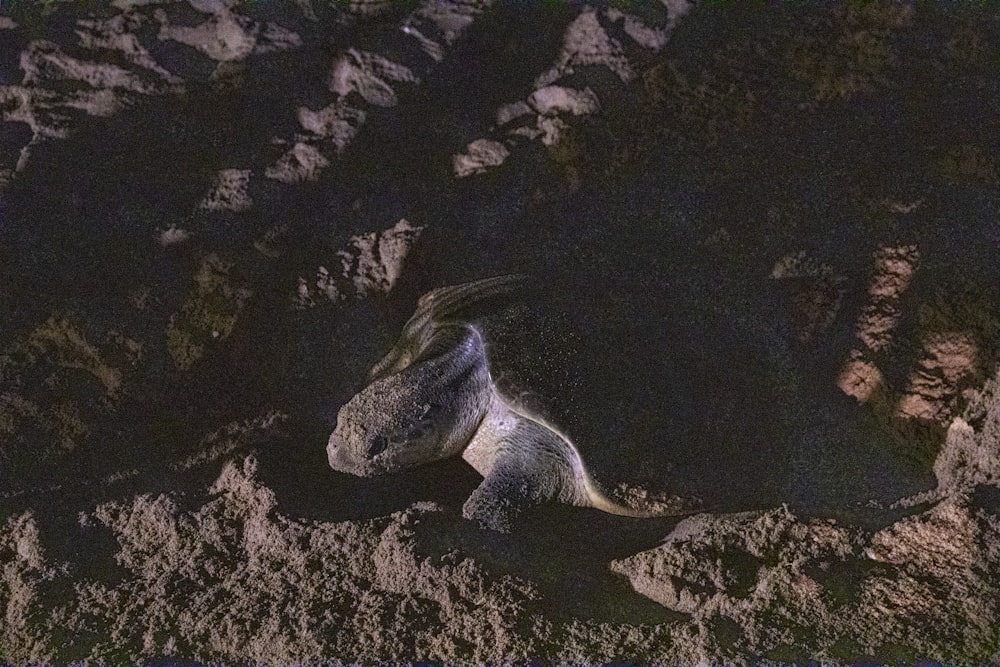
{"points": [[426, 412]]}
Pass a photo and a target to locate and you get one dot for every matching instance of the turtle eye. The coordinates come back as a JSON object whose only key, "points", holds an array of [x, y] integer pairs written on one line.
{"points": [[376, 446]]}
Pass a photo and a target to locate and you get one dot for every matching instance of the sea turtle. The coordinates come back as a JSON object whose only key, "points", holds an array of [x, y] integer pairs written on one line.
{"points": [[432, 397]]}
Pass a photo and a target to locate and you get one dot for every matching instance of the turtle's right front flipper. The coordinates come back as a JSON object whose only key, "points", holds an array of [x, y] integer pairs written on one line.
{"points": [[440, 306]]}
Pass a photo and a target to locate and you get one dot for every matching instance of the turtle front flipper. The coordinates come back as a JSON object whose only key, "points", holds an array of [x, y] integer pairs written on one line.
{"points": [[443, 305], [523, 464], [503, 496]]}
